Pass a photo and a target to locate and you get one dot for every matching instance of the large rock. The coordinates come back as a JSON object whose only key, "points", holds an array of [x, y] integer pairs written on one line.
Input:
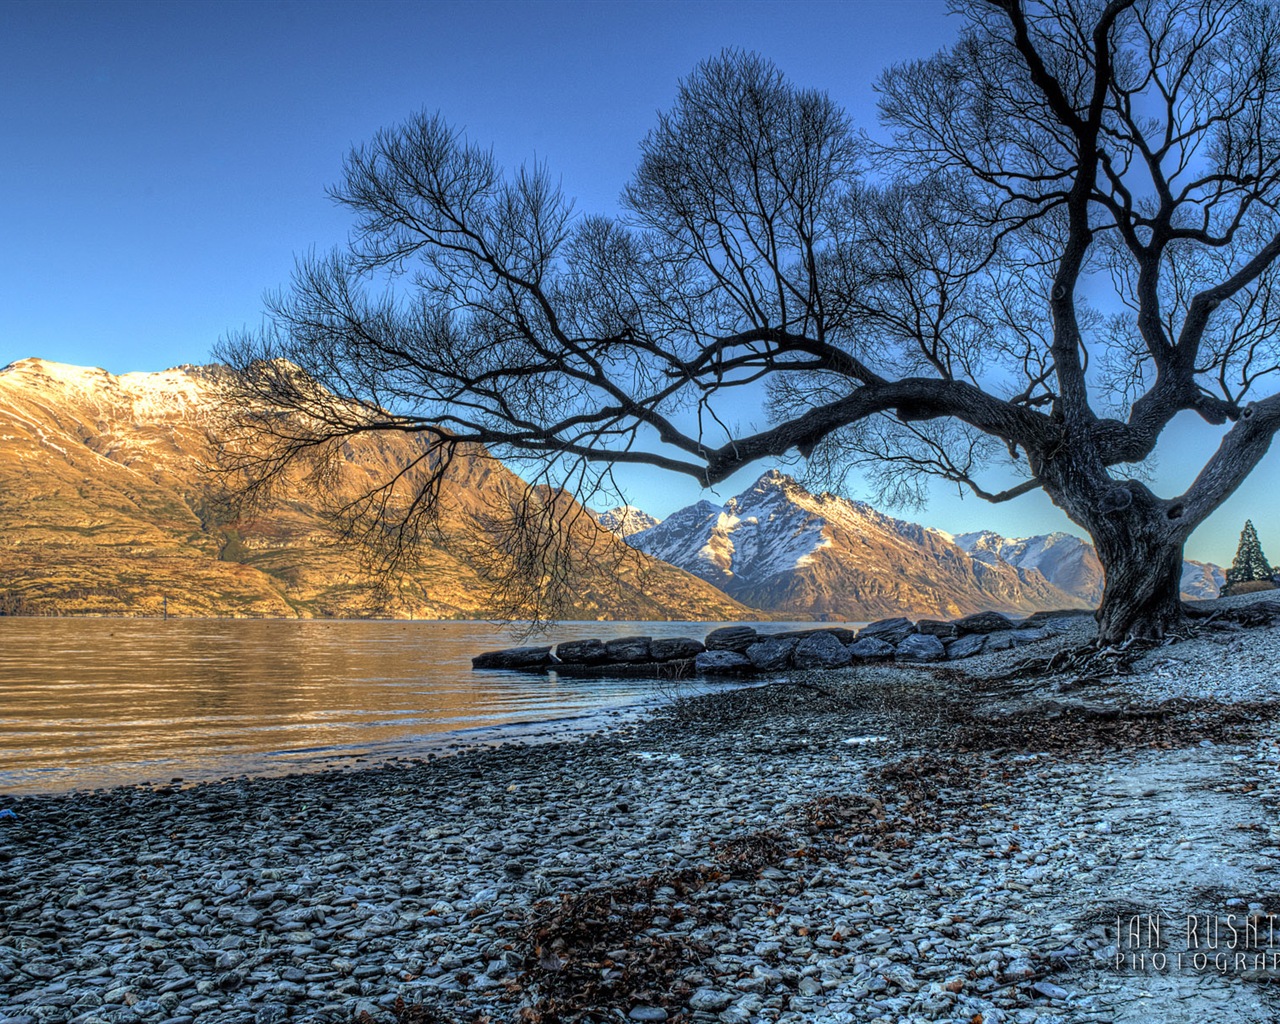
{"points": [[870, 649], [983, 622], [772, 653], [514, 658], [581, 652], [891, 631], [821, 650], [719, 662], [670, 648], [676, 668], [627, 649], [921, 647], [942, 630], [966, 646], [1037, 619], [1030, 636], [845, 636], [1056, 626], [999, 641], [731, 638]]}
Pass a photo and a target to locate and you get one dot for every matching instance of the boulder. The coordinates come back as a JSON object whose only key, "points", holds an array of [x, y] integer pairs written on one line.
{"points": [[1058, 626], [983, 622], [581, 652], [845, 636], [670, 648], [997, 642], [1041, 618], [821, 650], [676, 668], [514, 658], [966, 646], [713, 662], [627, 649], [942, 630], [921, 647], [891, 631], [772, 653], [1030, 636], [870, 649], [731, 638]]}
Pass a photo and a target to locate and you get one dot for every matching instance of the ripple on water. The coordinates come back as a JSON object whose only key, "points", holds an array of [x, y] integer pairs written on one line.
{"points": [[99, 702]]}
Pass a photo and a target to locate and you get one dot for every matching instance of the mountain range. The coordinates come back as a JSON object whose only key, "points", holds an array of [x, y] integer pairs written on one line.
{"points": [[107, 507], [1072, 564], [779, 548], [625, 520]]}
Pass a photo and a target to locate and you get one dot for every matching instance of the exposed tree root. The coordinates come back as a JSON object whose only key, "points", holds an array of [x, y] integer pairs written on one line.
{"points": [[1093, 663]]}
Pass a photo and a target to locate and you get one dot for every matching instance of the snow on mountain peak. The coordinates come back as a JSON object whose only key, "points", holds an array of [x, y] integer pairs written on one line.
{"points": [[769, 485], [785, 549], [1070, 562], [164, 387], [767, 529], [62, 372], [626, 520]]}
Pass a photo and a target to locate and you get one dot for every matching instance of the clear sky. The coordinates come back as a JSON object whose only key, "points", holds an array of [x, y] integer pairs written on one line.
{"points": [[162, 163]]}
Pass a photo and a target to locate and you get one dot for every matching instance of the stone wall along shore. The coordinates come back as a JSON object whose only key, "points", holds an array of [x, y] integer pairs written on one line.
{"points": [[742, 650]]}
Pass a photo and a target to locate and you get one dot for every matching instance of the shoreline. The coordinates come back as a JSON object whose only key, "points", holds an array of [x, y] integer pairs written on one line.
{"points": [[94, 703], [430, 747], [753, 862]]}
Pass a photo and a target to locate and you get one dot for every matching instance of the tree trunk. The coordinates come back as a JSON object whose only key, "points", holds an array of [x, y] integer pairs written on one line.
{"points": [[1142, 596], [1138, 538]]}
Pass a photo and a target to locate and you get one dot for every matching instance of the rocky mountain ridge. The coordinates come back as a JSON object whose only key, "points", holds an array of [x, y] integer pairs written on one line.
{"points": [[1065, 560], [727, 546], [625, 520], [777, 547], [108, 506], [1072, 564]]}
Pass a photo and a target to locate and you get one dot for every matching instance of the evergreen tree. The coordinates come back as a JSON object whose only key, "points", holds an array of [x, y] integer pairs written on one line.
{"points": [[1250, 563]]}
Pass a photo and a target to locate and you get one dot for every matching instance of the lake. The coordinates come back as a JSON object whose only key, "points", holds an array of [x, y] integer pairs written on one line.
{"points": [[103, 702]]}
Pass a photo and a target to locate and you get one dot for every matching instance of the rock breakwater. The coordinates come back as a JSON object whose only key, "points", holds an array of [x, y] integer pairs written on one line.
{"points": [[742, 650]]}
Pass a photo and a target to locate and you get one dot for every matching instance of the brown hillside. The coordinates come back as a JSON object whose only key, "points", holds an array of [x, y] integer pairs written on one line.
{"points": [[107, 507]]}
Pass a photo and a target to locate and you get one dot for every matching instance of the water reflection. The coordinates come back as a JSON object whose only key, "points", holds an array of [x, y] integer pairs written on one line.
{"points": [[94, 702]]}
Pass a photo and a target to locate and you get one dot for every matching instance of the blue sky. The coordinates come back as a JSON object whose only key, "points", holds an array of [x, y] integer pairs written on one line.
{"points": [[163, 163]]}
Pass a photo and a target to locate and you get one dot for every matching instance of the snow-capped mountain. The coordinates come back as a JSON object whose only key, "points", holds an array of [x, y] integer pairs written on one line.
{"points": [[1065, 560], [1202, 581], [777, 547], [1071, 564], [625, 520], [105, 509]]}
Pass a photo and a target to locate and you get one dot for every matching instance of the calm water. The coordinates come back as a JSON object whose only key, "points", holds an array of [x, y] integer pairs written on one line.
{"points": [[101, 702]]}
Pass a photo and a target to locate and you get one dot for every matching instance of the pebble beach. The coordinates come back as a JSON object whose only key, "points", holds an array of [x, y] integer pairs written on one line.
{"points": [[881, 843]]}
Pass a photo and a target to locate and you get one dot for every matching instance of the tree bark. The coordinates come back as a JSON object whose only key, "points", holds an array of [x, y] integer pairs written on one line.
{"points": [[1142, 595], [1139, 539]]}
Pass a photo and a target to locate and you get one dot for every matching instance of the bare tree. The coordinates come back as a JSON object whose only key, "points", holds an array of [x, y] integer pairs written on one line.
{"points": [[914, 308]]}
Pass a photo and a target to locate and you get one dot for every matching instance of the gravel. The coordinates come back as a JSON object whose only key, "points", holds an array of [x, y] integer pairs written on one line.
{"points": [[859, 844]]}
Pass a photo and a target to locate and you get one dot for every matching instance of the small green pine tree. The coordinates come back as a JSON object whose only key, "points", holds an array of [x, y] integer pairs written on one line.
{"points": [[1250, 563]]}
